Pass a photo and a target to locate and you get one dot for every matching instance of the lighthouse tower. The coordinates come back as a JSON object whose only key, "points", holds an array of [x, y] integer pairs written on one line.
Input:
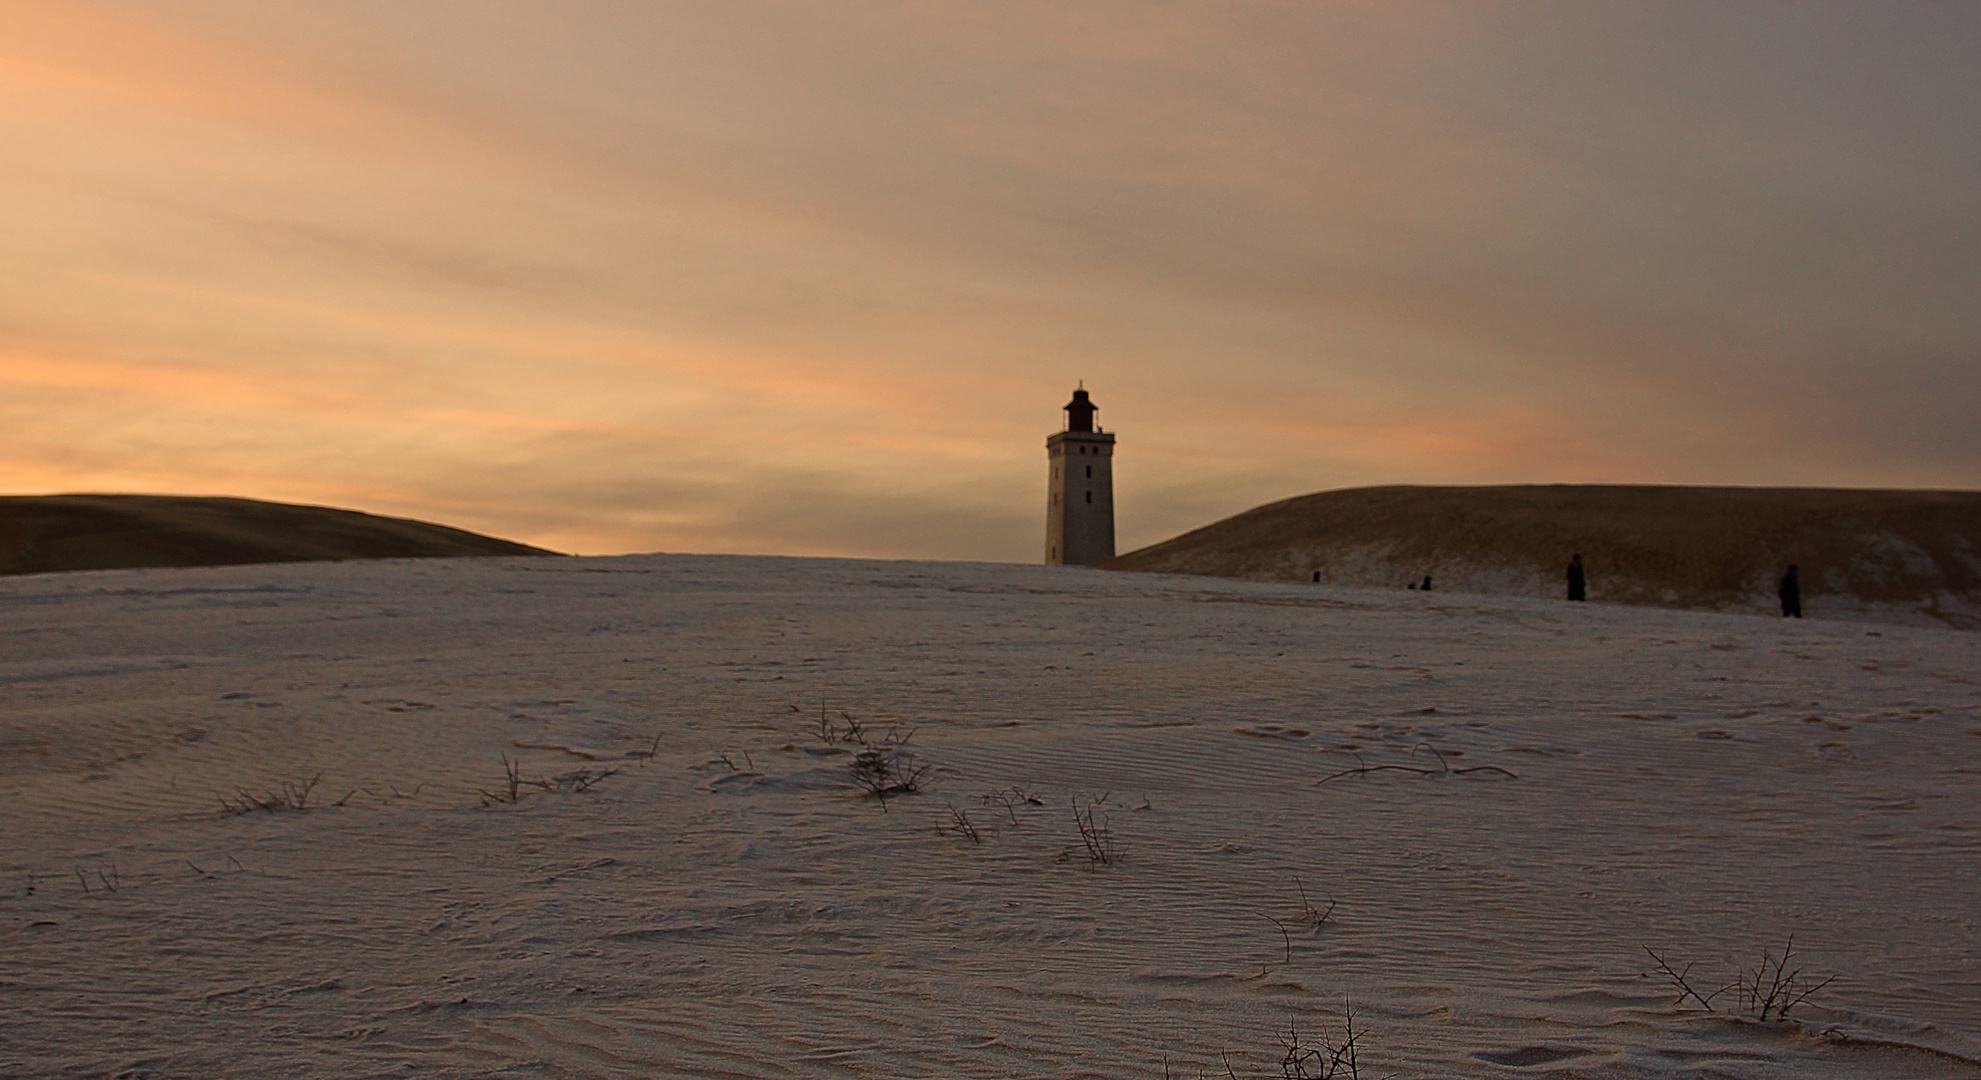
{"points": [[1080, 494]]}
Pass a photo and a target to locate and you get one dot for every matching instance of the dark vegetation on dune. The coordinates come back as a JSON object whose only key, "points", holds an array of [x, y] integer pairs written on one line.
{"points": [[1692, 547], [42, 534]]}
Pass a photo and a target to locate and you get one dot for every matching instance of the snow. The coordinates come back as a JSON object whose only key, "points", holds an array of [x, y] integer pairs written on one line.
{"points": [[728, 904]]}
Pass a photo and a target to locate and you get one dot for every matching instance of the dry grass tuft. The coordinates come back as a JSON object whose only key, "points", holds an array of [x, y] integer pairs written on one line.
{"points": [[289, 795]]}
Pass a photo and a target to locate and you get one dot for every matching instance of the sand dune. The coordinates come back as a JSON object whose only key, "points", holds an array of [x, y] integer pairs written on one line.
{"points": [[40, 534], [728, 904], [1891, 556]]}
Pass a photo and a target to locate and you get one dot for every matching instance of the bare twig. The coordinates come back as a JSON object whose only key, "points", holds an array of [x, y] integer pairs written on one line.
{"points": [[1284, 936], [1322, 1058], [1010, 799], [288, 795], [961, 825], [583, 779], [1099, 842], [1309, 917], [1678, 979], [1766, 992], [512, 784], [886, 765], [831, 734], [1444, 767], [1771, 989]]}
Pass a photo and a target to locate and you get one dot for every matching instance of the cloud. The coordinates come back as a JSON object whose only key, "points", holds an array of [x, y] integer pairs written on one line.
{"points": [[778, 277]]}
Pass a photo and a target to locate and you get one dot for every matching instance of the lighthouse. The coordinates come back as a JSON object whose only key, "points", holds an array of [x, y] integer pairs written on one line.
{"points": [[1080, 491]]}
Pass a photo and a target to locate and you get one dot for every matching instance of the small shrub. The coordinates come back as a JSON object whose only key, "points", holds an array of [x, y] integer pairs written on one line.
{"points": [[1325, 1057], [831, 734], [1095, 838], [1765, 992], [886, 765]]}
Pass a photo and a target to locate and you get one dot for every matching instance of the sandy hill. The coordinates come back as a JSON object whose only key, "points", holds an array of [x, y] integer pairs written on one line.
{"points": [[604, 819], [1909, 556], [40, 534]]}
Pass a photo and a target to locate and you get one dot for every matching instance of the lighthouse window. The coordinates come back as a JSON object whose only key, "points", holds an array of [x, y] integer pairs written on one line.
{"points": [[1090, 496], [1090, 472]]}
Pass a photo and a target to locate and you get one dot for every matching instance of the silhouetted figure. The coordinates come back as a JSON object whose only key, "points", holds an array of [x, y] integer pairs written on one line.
{"points": [[1426, 586], [1317, 577], [1578, 586], [1791, 592]]}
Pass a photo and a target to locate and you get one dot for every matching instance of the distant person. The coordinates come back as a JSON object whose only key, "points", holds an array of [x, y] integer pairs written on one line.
{"points": [[1578, 586], [1317, 577], [1791, 593], [1426, 586]]}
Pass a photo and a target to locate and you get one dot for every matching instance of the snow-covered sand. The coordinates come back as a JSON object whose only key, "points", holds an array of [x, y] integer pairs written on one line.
{"points": [[1706, 785]]}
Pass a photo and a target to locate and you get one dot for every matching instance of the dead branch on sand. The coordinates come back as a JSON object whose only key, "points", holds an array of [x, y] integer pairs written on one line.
{"points": [[1284, 936], [1769, 992], [1765, 992], [961, 825], [1323, 1058], [886, 766], [514, 783], [1309, 917], [581, 779], [1101, 847], [1444, 767], [1010, 799], [112, 881], [1679, 979]]}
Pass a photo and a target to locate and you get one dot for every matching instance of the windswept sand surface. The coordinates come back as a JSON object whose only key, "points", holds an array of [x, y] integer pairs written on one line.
{"points": [[1703, 784]]}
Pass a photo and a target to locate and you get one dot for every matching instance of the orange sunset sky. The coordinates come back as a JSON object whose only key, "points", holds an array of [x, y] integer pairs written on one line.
{"points": [[815, 278]]}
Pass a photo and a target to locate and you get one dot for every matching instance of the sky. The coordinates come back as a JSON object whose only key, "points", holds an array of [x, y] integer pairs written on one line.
{"points": [[816, 278]]}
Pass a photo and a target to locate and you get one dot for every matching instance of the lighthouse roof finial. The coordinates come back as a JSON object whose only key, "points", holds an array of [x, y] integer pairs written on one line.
{"points": [[1080, 411]]}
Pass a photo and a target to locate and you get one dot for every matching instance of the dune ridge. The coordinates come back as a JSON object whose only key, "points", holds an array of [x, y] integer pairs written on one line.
{"points": [[50, 533], [1889, 556]]}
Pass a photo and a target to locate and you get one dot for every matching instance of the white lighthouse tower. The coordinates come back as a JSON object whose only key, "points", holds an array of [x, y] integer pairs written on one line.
{"points": [[1080, 494]]}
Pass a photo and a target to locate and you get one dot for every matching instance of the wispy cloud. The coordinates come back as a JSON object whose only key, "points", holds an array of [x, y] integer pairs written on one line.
{"points": [[815, 279]]}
